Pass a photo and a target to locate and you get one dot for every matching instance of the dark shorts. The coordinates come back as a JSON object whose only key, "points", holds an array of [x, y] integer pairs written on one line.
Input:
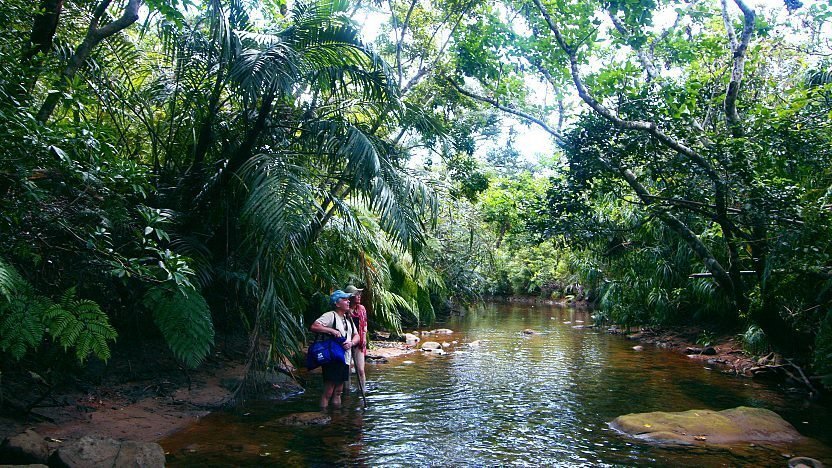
{"points": [[336, 372]]}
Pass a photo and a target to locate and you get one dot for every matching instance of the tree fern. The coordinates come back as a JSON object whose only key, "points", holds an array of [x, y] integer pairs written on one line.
{"points": [[80, 323], [184, 319]]}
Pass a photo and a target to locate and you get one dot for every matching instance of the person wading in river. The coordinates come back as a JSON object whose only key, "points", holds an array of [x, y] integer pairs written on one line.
{"points": [[337, 324], [359, 351]]}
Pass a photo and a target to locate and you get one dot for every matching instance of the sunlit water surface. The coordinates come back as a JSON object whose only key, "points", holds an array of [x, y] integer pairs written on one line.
{"points": [[518, 400]]}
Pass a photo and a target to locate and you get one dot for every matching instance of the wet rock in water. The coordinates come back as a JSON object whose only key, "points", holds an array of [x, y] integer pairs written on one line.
{"points": [[410, 338], [101, 451], [638, 348], [529, 331], [475, 344], [271, 385], [381, 335], [443, 331], [707, 351], [445, 344], [376, 359], [731, 426], [427, 345], [804, 462], [24, 448], [310, 418]]}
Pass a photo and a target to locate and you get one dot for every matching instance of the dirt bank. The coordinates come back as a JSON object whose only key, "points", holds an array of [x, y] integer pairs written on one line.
{"points": [[724, 353], [137, 399]]}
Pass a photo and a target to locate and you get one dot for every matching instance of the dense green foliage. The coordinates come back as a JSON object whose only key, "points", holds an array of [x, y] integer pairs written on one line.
{"points": [[695, 180], [205, 169]]}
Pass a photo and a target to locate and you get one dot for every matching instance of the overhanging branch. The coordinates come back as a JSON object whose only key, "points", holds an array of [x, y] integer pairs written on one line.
{"points": [[510, 110]]}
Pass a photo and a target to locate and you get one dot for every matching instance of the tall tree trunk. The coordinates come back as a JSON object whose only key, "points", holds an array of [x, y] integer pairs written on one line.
{"points": [[40, 42]]}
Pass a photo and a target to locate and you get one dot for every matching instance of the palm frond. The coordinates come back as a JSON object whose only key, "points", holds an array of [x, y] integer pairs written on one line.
{"points": [[183, 317], [11, 283]]}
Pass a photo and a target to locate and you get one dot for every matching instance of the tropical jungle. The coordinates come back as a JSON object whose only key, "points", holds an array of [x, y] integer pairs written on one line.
{"points": [[183, 177]]}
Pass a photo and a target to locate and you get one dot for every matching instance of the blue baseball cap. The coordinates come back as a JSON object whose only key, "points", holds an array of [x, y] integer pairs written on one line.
{"points": [[338, 294]]}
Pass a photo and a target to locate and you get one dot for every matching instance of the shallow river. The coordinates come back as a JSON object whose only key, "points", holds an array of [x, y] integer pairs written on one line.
{"points": [[519, 400]]}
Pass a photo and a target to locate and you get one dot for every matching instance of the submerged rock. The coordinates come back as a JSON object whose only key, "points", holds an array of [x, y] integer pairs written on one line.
{"points": [[431, 345], [804, 462], [310, 418], [707, 350], [731, 426]]}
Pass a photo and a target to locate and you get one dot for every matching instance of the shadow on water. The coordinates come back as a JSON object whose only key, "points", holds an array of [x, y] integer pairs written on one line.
{"points": [[516, 399]]}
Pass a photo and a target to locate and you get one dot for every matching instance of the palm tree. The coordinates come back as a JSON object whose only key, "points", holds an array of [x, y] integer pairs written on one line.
{"points": [[283, 153]]}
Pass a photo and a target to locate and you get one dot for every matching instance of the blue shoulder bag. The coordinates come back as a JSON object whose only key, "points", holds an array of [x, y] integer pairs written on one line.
{"points": [[323, 351]]}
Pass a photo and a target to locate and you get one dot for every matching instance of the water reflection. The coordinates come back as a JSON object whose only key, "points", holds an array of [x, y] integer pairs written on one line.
{"points": [[542, 399]]}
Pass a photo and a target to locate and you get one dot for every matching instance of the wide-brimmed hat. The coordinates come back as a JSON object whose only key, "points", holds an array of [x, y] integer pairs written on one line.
{"points": [[352, 290], [338, 294]]}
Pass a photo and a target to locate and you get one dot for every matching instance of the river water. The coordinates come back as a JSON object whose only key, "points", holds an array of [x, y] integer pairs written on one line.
{"points": [[515, 399]]}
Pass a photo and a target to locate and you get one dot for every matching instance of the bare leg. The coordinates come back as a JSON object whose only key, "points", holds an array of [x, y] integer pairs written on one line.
{"points": [[336, 394], [329, 388], [358, 360]]}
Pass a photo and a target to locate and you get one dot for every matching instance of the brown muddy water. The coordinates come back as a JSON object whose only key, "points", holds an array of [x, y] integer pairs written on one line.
{"points": [[514, 400]]}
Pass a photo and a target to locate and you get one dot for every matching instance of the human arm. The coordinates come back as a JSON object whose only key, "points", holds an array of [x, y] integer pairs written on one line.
{"points": [[319, 327]]}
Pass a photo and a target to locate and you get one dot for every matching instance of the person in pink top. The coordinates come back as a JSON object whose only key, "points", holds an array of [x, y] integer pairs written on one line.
{"points": [[359, 316]]}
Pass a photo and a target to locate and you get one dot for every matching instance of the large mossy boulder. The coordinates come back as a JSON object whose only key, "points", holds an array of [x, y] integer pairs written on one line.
{"points": [[731, 426]]}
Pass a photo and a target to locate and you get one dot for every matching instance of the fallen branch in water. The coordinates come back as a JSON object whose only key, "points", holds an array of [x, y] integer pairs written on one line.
{"points": [[813, 392]]}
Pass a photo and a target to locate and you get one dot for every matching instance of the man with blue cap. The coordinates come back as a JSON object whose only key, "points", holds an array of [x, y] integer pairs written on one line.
{"points": [[336, 324]]}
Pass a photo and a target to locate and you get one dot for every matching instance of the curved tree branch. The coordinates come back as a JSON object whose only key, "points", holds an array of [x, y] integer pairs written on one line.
{"points": [[511, 110], [643, 56], [739, 49], [646, 126], [721, 275], [94, 36]]}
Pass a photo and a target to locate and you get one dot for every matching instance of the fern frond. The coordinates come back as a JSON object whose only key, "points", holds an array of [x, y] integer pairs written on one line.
{"points": [[80, 324], [21, 328]]}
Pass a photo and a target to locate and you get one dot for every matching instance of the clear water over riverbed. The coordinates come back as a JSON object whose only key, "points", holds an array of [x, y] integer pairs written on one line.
{"points": [[520, 400]]}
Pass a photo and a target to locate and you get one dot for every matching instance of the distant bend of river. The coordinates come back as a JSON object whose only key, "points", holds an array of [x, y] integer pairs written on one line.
{"points": [[524, 400]]}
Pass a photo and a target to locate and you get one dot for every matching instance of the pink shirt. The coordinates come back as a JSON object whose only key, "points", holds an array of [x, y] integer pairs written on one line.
{"points": [[361, 314]]}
